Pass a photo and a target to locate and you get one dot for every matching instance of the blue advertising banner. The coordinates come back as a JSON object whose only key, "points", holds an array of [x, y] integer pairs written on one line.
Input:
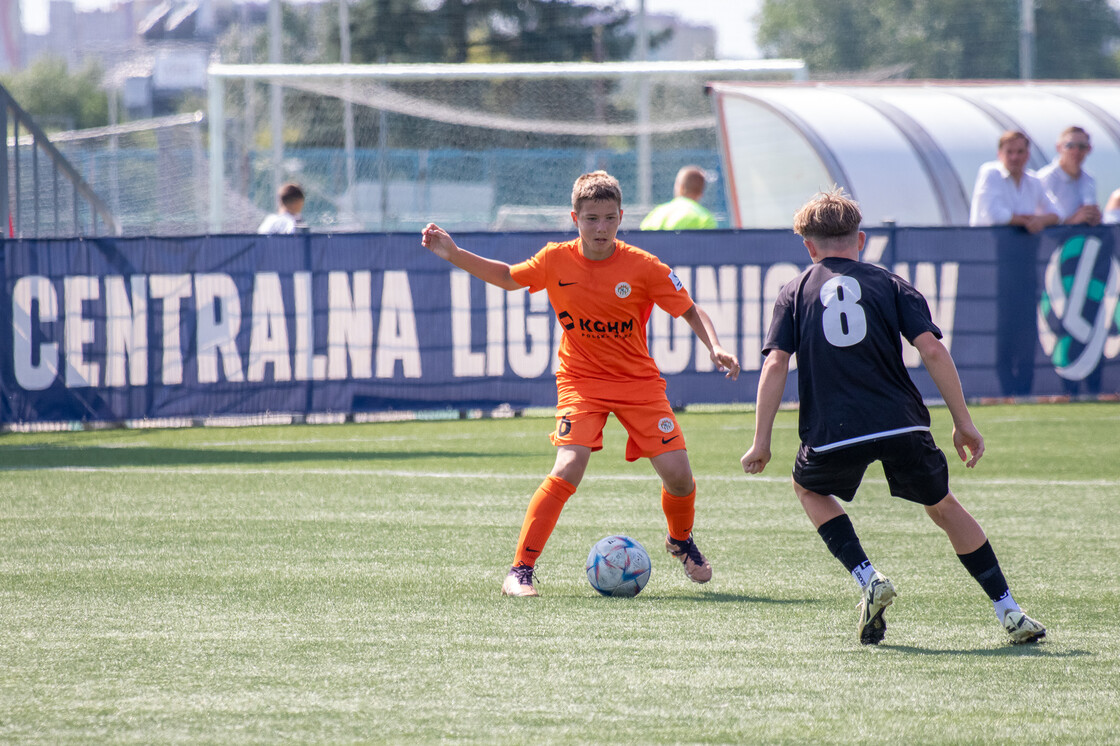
{"points": [[145, 328]]}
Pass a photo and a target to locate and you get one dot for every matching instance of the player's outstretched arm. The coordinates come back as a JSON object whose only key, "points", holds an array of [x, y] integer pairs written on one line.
{"points": [[439, 242], [939, 364], [701, 325], [771, 384]]}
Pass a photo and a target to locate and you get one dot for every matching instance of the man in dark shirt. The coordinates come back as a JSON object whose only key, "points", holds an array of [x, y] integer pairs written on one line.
{"points": [[844, 319]]}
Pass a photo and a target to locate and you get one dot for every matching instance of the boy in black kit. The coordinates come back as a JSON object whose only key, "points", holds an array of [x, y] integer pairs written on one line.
{"points": [[844, 319]]}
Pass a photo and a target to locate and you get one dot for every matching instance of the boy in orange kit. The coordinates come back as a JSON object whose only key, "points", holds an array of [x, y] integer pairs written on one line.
{"points": [[603, 292]]}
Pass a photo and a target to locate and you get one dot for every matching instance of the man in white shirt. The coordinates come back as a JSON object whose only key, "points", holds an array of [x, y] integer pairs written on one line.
{"points": [[1007, 194], [1073, 189], [1112, 209], [289, 215]]}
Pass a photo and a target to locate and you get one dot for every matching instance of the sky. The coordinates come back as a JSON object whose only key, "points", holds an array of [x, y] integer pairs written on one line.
{"points": [[730, 18]]}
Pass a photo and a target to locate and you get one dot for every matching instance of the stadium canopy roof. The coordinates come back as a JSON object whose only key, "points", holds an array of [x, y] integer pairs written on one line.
{"points": [[909, 152]]}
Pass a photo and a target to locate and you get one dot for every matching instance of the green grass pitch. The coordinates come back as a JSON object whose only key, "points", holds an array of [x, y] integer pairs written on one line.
{"points": [[339, 584]]}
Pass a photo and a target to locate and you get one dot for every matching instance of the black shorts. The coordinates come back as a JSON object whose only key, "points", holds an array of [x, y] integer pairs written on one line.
{"points": [[915, 467]]}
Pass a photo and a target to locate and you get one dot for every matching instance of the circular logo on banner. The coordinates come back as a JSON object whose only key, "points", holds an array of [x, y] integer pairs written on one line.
{"points": [[622, 289], [666, 425], [1078, 318]]}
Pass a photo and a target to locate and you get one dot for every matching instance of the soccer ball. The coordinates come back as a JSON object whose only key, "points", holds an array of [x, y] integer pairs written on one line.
{"points": [[618, 566]]}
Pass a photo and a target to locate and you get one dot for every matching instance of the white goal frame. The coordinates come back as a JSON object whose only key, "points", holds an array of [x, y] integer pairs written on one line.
{"points": [[643, 72]]}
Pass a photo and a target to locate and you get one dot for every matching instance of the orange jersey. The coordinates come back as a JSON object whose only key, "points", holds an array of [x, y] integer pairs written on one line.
{"points": [[603, 307]]}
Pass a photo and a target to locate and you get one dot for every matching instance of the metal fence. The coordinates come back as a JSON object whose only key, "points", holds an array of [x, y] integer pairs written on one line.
{"points": [[41, 193]]}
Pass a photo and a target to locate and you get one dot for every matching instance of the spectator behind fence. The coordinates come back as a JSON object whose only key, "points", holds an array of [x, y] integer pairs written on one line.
{"points": [[1073, 189], [684, 211], [289, 215], [1007, 194], [1112, 208]]}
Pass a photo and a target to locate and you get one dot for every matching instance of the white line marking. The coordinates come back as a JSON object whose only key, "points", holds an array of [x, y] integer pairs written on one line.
{"points": [[231, 443], [295, 471]]}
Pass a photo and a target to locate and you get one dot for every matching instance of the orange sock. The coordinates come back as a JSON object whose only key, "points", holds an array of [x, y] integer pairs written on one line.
{"points": [[540, 518], [680, 511]]}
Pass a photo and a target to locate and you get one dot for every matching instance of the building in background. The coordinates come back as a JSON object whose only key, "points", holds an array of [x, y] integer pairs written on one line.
{"points": [[152, 52], [687, 41], [77, 35], [11, 36]]}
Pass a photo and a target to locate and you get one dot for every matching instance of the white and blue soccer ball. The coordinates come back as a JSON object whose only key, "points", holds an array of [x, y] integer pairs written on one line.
{"points": [[618, 566]]}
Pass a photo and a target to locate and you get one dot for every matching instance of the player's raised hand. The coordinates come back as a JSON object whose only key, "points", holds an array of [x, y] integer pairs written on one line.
{"points": [[438, 241], [968, 440], [727, 363], [755, 460]]}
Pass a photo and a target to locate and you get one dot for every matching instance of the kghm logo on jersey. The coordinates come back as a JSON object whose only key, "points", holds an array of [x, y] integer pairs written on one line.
{"points": [[596, 328], [1078, 319]]}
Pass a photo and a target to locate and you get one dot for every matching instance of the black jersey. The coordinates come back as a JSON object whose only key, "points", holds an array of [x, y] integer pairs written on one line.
{"points": [[844, 319]]}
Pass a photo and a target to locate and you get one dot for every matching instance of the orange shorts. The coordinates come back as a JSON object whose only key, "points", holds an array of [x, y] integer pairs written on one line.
{"points": [[652, 428]]}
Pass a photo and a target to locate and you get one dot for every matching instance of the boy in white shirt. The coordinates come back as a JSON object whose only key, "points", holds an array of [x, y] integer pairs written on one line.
{"points": [[289, 215]]}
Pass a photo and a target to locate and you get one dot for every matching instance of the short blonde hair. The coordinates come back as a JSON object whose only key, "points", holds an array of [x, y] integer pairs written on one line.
{"points": [[597, 185], [830, 214], [690, 180]]}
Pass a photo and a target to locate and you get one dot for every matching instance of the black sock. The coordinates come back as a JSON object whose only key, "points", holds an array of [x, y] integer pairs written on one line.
{"points": [[840, 537], [983, 565]]}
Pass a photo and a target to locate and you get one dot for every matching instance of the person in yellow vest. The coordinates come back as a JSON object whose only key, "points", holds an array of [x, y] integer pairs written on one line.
{"points": [[684, 212]]}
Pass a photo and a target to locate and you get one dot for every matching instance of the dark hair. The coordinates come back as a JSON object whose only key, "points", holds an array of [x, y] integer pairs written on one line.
{"points": [[289, 193]]}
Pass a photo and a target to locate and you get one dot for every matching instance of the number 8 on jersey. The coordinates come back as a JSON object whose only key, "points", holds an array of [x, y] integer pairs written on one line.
{"points": [[843, 320]]}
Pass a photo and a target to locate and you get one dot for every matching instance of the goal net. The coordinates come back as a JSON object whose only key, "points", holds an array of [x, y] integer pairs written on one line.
{"points": [[474, 147], [151, 173]]}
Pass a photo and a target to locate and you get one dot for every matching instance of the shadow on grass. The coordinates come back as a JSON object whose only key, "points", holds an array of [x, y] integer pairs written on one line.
{"points": [[46, 458], [1037, 650]]}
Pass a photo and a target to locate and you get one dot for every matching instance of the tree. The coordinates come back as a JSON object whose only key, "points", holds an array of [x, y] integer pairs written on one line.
{"points": [[57, 98], [830, 35], [487, 31], [392, 31], [941, 38], [444, 31], [302, 41], [1076, 50], [543, 31], [456, 31], [306, 31]]}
